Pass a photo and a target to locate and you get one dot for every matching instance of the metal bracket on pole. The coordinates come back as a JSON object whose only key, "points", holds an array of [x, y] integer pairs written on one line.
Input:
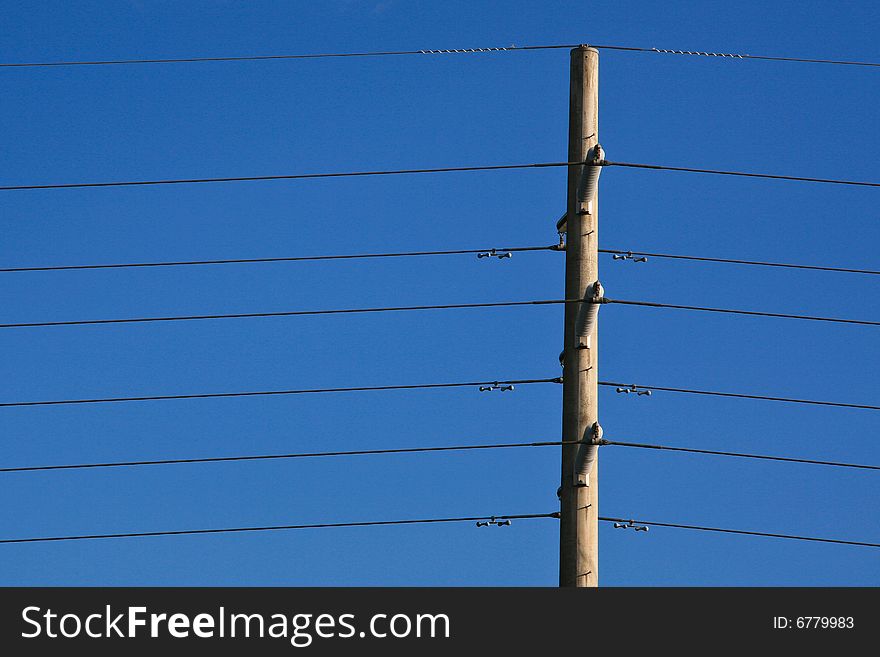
{"points": [[562, 225]]}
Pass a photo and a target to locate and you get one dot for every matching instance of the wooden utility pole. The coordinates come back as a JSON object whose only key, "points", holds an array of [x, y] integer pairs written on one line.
{"points": [[579, 495]]}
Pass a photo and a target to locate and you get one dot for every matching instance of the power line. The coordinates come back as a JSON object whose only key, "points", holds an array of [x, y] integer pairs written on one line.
{"points": [[299, 176], [417, 450], [769, 58], [395, 172], [324, 525], [286, 313], [626, 386], [446, 51], [386, 523], [743, 532], [745, 174], [352, 256], [254, 58], [730, 311], [404, 254], [738, 262], [301, 455], [448, 306], [216, 395], [764, 457]]}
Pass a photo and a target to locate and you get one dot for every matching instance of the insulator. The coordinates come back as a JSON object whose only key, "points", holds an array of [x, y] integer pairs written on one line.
{"points": [[589, 310], [587, 451], [589, 179]]}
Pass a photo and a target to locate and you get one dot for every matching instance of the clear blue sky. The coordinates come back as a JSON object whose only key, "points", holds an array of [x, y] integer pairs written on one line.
{"points": [[231, 119]]}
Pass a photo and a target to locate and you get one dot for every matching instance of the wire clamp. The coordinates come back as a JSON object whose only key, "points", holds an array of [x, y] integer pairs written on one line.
{"points": [[631, 525], [452, 51], [496, 386], [495, 253], [492, 521], [697, 52], [629, 256], [634, 389]]}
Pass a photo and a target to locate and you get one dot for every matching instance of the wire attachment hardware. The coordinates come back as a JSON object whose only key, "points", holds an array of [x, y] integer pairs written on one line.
{"points": [[629, 256], [562, 226], [562, 229], [495, 253], [697, 52], [496, 386], [560, 246], [631, 525], [492, 521], [453, 51], [634, 389]]}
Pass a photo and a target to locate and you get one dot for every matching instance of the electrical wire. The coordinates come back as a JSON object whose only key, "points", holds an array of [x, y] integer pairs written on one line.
{"points": [[395, 172], [730, 311], [745, 174], [448, 306], [351, 256], [286, 313], [418, 450], [738, 262], [769, 58], [217, 395], [742, 532], [253, 58], [764, 457], [298, 176], [404, 254], [447, 51], [386, 523], [301, 455], [324, 525], [737, 395]]}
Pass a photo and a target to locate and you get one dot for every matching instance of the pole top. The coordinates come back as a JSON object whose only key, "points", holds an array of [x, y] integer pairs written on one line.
{"points": [[584, 47]]}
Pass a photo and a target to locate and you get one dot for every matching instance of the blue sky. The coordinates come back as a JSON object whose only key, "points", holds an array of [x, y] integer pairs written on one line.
{"points": [[249, 118]]}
